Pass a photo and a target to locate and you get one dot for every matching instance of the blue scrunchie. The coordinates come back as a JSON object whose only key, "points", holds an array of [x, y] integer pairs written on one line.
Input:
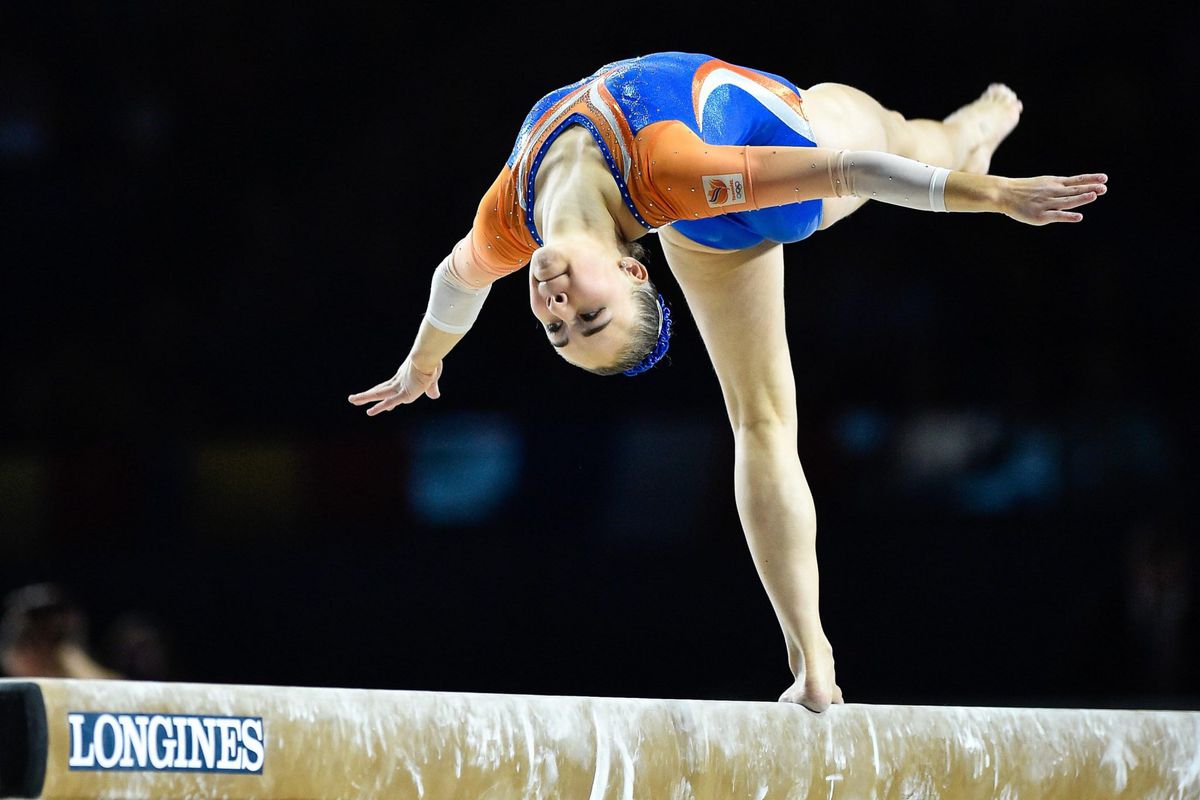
{"points": [[660, 347]]}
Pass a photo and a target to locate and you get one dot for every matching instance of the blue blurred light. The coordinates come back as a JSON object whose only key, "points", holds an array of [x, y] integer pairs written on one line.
{"points": [[21, 137], [464, 466], [861, 431], [1030, 475]]}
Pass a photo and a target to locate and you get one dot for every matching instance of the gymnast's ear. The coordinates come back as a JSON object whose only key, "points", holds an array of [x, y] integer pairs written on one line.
{"points": [[634, 268]]}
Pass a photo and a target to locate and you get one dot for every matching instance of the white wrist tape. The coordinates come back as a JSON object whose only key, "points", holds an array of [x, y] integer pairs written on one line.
{"points": [[891, 179], [453, 307]]}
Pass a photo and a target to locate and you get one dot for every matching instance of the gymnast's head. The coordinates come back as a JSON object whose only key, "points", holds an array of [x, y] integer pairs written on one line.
{"points": [[598, 306]]}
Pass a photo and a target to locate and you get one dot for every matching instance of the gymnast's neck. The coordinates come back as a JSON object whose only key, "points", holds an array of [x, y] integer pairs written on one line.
{"points": [[575, 194]]}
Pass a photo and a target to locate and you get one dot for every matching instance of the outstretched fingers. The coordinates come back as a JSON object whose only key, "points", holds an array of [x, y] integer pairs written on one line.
{"points": [[1094, 189], [1073, 192], [1074, 201], [1091, 178], [387, 404], [385, 396], [1062, 216], [374, 394], [1040, 201], [407, 385]]}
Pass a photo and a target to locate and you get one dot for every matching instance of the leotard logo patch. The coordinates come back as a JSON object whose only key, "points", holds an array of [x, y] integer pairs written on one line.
{"points": [[725, 190]]}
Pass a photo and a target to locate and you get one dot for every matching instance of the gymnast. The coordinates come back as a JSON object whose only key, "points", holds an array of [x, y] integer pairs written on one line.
{"points": [[726, 164]]}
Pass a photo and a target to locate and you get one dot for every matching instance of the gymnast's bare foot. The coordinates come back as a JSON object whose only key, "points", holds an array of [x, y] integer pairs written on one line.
{"points": [[815, 687], [983, 124]]}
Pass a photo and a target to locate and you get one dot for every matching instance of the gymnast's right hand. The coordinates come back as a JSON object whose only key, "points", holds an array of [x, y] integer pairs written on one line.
{"points": [[405, 386]]}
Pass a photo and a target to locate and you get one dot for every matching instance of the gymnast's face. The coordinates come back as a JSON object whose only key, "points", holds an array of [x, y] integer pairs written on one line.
{"points": [[583, 297]]}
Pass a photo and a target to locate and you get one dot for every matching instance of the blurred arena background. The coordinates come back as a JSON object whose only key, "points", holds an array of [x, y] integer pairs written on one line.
{"points": [[216, 221]]}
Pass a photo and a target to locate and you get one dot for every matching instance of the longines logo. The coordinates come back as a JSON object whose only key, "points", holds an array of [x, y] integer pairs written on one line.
{"points": [[165, 743]]}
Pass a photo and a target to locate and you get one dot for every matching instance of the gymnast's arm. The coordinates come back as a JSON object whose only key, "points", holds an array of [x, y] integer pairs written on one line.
{"points": [[682, 169], [456, 295], [494, 247]]}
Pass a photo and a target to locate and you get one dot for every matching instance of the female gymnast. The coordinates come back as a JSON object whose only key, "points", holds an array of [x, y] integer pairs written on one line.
{"points": [[726, 164]]}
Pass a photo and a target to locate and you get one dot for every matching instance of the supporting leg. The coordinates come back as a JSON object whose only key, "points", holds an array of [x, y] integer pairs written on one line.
{"points": [[736, 298]]}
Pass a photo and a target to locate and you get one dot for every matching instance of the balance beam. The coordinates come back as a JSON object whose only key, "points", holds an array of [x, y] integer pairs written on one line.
{"points": [[110, 739]]}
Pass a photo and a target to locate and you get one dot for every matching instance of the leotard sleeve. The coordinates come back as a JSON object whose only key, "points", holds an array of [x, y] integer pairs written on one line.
{"points": [[498, 243], [679, 176]]}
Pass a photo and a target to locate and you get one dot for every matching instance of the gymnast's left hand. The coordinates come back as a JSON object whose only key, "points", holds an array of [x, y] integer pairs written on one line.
{"points": [[404, 387], [1040, 201]]}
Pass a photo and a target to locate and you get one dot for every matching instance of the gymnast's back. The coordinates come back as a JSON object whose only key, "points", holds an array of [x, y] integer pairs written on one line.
{"points": [[671, 86]]}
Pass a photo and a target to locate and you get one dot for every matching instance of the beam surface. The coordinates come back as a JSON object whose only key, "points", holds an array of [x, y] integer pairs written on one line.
{"points": [[105, 739]]}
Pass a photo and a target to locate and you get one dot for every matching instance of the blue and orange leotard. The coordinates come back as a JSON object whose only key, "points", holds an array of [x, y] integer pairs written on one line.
{"points": [[688, 139]]}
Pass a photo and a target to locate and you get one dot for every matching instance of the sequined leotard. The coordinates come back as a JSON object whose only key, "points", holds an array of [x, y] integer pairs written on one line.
{"points": [[673, 129]]}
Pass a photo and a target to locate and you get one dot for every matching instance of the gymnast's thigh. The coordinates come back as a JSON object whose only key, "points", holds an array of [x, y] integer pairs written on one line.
{"points": [[736, 298], [845, 118]]}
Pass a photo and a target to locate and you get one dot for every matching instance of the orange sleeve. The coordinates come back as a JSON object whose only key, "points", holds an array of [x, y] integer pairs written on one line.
{"points": [[682, 177], [498, 243]]}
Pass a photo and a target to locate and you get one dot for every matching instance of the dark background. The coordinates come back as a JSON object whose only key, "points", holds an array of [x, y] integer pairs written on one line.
{"points": [[218, 221]]}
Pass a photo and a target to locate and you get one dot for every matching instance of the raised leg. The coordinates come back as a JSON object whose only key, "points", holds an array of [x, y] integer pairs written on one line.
{"points": [[843, 117]]}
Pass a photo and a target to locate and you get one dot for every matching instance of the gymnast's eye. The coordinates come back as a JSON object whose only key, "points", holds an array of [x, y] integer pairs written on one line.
{"points": [[591, 316], [554, 327]]}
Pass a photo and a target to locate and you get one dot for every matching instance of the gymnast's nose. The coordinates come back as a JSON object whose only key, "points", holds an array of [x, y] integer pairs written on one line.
{"points": [[560, 305], [554, 292]]}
